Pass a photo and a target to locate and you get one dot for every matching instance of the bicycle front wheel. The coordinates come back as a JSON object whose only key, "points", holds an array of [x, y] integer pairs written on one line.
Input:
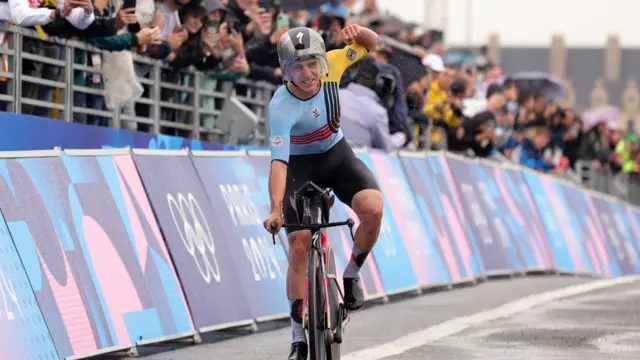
{"points": [[316, 309]]}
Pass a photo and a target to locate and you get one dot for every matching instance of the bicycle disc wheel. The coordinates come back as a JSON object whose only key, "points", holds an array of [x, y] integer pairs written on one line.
{"points": [[316, 310]]}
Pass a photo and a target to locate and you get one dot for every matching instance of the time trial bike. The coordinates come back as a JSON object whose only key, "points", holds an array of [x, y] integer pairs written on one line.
{"points": [[324, 315]]}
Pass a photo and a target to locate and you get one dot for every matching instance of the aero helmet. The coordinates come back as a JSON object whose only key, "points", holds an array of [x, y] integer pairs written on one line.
{"points": [[301, 43]]}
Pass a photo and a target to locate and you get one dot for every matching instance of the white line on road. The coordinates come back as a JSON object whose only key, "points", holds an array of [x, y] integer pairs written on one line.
{"points": [[454, 326]]}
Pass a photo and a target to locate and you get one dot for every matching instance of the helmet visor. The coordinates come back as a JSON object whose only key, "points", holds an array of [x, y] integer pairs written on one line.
{"points": [[289, 67]]}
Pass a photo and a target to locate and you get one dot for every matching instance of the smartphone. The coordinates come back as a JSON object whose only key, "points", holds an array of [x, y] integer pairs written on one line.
{"points": [[212, 26], [283, 19], [232, 24], [128, 4]]}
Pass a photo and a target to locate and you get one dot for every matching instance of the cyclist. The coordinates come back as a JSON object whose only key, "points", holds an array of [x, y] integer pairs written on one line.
{"points": [[307, 145]]}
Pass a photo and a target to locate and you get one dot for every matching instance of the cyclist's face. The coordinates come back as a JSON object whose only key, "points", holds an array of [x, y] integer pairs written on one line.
{"points": [[306, 74]]}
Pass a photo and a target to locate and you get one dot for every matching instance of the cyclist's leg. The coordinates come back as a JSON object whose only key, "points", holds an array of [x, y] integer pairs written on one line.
{"points": [[298, 173], [355, 185]]}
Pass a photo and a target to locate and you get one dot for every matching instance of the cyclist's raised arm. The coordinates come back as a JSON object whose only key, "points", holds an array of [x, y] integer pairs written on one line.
{"points": [[280, 128], [366, 38], [339, 60]]}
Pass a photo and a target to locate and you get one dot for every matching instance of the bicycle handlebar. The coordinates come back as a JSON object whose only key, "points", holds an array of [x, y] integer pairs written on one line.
{"points": [[313, 227]]}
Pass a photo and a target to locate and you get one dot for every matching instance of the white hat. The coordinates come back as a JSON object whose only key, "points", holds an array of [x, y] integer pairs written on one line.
{"points": [[434, 62]]}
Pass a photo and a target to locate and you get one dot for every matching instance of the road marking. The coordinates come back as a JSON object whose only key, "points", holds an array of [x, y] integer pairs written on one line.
{"points": [[454, 326], [618, 343]]}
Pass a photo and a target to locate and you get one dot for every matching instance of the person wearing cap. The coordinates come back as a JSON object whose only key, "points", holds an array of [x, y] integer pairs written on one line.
{"points": [[365, 122], [307, 144], [437, 106]]}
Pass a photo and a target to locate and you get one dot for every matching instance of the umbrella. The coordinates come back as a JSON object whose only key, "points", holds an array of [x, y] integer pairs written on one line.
{"points": [[386, 24], [607, 114], [292, 5], [540, 82]]}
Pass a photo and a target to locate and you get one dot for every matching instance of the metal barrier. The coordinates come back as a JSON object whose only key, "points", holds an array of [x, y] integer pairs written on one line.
{"points": [[50, 78], [622, 186]]}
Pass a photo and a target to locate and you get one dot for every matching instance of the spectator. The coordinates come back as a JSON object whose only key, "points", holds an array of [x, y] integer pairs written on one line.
{"points": [[594, 146], [436, 105], [398, 111], [533, 154], [572, 137], [78, 13], [261, 47], [364, 120], [480, 132]]}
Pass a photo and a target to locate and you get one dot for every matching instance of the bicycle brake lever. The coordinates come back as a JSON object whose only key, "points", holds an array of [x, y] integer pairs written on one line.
{"points": [[273, 225]]}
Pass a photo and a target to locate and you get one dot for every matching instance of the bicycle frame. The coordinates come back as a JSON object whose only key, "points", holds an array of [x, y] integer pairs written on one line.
{"points": [[310, 220]]}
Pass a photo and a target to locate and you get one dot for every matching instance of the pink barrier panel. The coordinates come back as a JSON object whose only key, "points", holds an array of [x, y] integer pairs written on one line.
{"points": [[92, 251]]}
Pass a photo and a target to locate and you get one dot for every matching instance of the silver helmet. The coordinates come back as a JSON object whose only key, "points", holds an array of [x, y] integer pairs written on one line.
{"points": [[301, 43]]}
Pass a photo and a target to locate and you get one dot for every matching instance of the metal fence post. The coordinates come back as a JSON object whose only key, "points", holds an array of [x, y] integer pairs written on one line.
{"points": [[155, 95], [197, 103], [68, 79], [17, 73]]}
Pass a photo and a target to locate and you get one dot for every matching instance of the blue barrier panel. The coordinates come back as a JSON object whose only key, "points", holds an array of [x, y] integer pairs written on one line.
{"points": [[339, 237], [614, 226], [632, 225], [26, 132], [390, 253], [517, 198], [441, 225], [231, 184], [584, 218], [23, 332], [563, 227], [501, 243], [92, 251], [201, 253], [426, 256]]}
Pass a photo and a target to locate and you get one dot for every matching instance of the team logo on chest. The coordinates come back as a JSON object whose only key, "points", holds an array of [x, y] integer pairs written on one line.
{"points": [[315, 112], [332, 104]]}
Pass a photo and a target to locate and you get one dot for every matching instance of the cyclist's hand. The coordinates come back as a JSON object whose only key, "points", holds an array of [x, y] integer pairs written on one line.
{"points": [[350, 33], [274, 217]]}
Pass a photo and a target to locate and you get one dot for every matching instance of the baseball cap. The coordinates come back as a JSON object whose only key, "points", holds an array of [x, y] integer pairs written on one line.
{"points": [[433, 62]]}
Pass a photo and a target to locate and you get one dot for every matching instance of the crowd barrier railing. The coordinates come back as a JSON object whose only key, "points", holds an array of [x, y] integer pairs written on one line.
{"points": [[184, 102], [105, 251]]}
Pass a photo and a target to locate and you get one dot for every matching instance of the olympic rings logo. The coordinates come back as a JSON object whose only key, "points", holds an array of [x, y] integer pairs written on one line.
{"points": [[195, 234]]}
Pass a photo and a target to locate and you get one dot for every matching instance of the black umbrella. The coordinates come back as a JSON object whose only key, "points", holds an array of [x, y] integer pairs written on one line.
{"points": [[292, 5], [543, 83], [386, 24], [403, 57]]}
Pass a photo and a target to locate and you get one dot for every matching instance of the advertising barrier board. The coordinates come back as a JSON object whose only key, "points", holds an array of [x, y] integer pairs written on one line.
{"points": [[92, 251], [201, 253], [23, 331], [425, 253], [239, 210], [519, 204], [614, 229], [102, 250], [493, 225], [390, 253], [563, 229]]}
